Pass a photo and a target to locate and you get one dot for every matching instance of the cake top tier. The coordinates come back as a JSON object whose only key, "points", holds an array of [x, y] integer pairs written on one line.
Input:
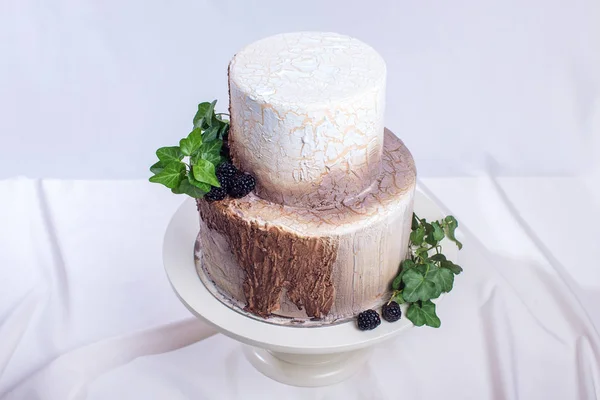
{"points": [[311, 67]]}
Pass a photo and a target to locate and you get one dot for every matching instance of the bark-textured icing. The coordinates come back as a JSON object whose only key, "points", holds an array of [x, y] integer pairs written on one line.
{"points": [[307, 114], [306, 263], [273, 259]]}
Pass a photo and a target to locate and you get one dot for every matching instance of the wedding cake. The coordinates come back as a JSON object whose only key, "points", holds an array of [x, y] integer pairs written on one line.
{"points": [[322, 235]]}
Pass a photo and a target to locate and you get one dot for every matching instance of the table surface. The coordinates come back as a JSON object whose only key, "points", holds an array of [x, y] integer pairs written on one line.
{"points": [[86, 311]]}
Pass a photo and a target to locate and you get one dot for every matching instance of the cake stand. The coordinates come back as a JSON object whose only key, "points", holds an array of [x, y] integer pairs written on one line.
{"points": [[299, 356]]}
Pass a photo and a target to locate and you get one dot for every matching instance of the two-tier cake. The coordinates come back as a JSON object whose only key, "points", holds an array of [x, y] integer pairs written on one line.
{"points": [[323, 234]]}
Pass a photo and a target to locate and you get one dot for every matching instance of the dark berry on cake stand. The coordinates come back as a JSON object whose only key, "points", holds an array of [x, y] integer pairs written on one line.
{"points": [[368, 320], [391, 311], [241, 185], [225, 173], [215, 194]]}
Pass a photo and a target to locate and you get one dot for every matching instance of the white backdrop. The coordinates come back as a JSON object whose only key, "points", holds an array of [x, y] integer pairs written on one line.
{"points": [[89, 89]]}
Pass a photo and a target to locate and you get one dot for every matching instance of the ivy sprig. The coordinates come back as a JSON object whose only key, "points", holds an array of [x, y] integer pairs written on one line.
{"points": [[426, 273], [190, 168]]}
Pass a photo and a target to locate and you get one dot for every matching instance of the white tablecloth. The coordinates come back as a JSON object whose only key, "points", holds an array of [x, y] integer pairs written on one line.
{"points": [[86, 311]]}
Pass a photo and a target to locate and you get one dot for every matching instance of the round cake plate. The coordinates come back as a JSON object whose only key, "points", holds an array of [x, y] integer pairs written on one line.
{"points": [[299, 356]]}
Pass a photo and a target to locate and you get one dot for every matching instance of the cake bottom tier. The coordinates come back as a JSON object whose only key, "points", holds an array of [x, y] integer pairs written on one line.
{"points": [[307, 267]]}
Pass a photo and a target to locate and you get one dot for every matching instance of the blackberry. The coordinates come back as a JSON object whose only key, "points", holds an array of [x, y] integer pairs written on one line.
{"points": [[241, 185], [216, 193], [225, 173], [368, 320], [391, 311]]}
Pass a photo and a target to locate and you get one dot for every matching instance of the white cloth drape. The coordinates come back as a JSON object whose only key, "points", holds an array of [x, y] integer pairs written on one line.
{"points": [[86, 311]]}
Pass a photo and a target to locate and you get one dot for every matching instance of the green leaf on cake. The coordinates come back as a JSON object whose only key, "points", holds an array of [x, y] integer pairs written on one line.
{"points": [[209, 117], [398, 298], [423, 314], [450, 224], [157, 167], [199, 118], [417, 236], [435, 233], [191, 190], [407, 264], [171, 175], [176, 190], [210, 134], [192, 142], [224, 131], [169, 154], [438, 232], [415, 222], [443, 278], [418, 287], [421, 252], [421, 277], [205, 187], [210, 151], [397, 282], [454, 268], [423, 268], [204, 171]]}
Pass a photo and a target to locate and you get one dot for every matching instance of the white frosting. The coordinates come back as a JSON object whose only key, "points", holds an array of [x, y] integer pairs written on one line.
{"points": [[307, 116]]}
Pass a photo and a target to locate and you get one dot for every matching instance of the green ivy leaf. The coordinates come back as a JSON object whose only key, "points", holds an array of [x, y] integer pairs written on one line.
{"points": [[398, 298], [435, 233], [171, 176], [176, 190], [442, 277], [205, 187], [156, 168], [224, 131], [200, 114], [422, 252], [192, 142], [209, 117], [415, 222], [169, 154], [407, 264], [210, 134], [428, 227], [438, 232], [204, 171], [210, 151], [186, 187], [438, 257], [423, 314], [450, 225], [423, 268], [454, 268], [416, 236], [418, 287]]}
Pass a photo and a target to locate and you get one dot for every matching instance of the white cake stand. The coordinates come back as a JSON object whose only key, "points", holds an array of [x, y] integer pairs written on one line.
{"points": [[299, 356]]}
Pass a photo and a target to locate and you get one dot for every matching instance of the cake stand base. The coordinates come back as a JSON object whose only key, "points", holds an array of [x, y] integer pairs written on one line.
{"points": [[299, 356], [306, 369]]}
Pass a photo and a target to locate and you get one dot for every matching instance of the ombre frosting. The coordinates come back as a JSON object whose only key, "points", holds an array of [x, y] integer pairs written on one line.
{"points": [[323, 235], [307, 114]]}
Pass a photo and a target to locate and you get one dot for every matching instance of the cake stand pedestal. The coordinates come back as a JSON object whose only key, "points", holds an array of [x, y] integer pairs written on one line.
{"points": [[299, 356]]}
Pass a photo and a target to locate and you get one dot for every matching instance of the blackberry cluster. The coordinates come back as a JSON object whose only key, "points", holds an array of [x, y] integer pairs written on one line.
{"points": [[391, 311], [233, 183], [241, 185], [225, 173], [215, 194], [368, 320]]}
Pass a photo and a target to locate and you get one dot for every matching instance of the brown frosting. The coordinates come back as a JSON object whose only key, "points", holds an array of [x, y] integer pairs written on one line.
{"points": [[274, 259]]}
